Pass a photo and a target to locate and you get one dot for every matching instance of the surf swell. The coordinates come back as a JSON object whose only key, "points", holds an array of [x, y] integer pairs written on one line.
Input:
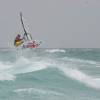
{"points": [[70, 67]]}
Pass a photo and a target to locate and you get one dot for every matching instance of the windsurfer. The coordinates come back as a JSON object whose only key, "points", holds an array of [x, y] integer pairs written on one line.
{"points": [[25, 41], [18, 40]]}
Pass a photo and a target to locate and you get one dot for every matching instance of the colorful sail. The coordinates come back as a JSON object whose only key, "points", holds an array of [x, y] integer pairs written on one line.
{"points": [[26, 40]]}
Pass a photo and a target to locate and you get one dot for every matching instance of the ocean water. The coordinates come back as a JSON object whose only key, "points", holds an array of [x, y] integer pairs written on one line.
{"points": [[50, 74]]}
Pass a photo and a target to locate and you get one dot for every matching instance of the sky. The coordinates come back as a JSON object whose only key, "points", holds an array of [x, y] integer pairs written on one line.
{"points": [[57, 23]]}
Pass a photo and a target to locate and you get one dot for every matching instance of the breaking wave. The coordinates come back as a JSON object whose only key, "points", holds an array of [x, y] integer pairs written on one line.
{"points": [[81, 77], [9, 70], [51, 74]]}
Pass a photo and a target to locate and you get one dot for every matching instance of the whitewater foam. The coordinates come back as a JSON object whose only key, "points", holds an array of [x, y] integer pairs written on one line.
{"points": [[37, 91], [73, 73], [5, 66], [25, 65], [80, 60], [55, 50], [7, 76], [8, 71], [82, 77], [4, 71], [22, 65]]}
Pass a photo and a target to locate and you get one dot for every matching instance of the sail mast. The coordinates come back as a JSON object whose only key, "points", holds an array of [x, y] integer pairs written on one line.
{"points": [[25, 32]]}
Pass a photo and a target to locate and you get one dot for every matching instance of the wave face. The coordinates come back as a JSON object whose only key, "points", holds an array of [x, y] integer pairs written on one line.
{"points": [[50, 74]]}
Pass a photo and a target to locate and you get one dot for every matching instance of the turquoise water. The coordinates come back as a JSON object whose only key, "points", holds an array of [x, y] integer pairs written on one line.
{"points": [[50, 74]]}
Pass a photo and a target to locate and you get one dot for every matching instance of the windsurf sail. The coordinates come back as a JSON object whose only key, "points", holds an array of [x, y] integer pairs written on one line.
{"points": [[27, 36], [25, 41]]}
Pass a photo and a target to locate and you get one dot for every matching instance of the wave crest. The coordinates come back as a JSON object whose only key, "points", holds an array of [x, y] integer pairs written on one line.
{"points": [[55, 50], [81, 77]]}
